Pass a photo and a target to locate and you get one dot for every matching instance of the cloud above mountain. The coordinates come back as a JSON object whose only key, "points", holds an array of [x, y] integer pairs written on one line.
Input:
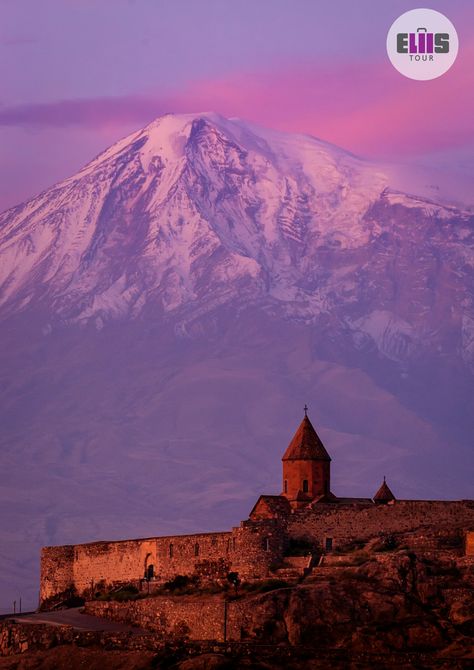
{"points": [[99, 71], [364, 106]]}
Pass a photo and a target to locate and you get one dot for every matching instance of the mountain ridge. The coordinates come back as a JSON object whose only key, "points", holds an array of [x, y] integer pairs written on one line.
{"points": [[174, 184]]}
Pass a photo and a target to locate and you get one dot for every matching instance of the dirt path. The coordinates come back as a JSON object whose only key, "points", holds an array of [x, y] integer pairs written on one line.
{"points": [[73, 617]]}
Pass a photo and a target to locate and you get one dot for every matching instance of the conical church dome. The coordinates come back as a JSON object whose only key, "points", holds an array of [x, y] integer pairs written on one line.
{"points": [[384, 494]]}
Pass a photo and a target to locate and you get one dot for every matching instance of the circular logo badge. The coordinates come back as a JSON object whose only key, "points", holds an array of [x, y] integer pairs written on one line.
{"points": [[422, 44]]}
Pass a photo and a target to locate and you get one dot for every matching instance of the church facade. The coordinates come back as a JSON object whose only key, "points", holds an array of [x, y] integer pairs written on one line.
{"points": [[284, 534]]}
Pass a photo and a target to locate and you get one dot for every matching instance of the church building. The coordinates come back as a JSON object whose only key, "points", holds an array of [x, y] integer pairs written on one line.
{"points": [[307, 478], [305, 513]]}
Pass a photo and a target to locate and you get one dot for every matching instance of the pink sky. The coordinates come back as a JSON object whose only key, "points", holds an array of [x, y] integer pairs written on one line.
{"points": [[57, 114]]}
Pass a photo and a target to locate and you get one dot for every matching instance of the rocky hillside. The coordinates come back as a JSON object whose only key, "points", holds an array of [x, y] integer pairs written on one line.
{"points": [[398, 603], [359, 602], [385, 610]]}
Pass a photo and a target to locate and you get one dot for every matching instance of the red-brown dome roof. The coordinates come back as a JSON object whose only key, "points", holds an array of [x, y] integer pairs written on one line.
{"points": [[384, 493], [306, 445]]}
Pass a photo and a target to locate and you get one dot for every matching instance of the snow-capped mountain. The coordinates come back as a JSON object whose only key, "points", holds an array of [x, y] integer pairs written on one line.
{"points": [[166, 312], [195, 211]]}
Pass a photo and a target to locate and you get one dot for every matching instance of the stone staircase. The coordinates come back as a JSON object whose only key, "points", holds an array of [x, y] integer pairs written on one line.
{"points": [[294, 567]]}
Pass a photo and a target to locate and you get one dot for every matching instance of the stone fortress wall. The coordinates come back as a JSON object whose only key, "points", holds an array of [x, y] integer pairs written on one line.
{"points": [[211, 556], [254, 550], [345, 523]]}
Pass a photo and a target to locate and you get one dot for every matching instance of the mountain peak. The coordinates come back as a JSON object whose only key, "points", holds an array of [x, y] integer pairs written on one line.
{"points": [[187, 117], [196, 210], [165, 136], [171, 123]]}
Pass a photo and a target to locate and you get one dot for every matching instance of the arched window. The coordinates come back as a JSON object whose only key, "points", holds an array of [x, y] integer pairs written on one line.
{"points": [[305, 486], [148, 566], [196, 549], [285, 486], [171, 550]]}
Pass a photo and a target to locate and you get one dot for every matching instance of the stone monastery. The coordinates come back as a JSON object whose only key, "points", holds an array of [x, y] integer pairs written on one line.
{"points": [[284, 534]]}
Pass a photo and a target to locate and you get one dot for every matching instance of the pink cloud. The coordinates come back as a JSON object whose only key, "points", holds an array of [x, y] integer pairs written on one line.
{"points": [[87, 112], [368, 108]]}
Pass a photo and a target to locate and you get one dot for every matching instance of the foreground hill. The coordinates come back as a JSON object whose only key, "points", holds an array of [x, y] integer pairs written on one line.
{"points": [[388, 610]]}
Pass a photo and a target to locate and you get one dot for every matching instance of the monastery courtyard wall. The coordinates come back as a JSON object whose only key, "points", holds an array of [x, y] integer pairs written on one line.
{"points": [[253, 550], [211, 556], [344, 523]]}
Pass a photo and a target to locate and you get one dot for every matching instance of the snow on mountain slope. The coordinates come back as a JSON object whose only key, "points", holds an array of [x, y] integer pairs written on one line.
{"points": [[195, 211], [174, 174]]}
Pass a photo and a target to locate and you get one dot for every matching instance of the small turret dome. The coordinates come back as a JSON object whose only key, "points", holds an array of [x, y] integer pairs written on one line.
{"points": [[384, 495]]}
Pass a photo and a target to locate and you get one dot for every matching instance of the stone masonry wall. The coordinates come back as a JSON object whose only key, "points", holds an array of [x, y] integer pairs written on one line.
{"points": [[56, 570], [469, 543], [252, 549], [207, 554], [259, 547], [249, 550], [202, 618], [86, 566], [350, 522], [112, 562]]}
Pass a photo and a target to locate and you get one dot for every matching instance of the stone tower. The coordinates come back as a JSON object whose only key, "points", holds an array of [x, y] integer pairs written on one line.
{"points": [[306, 467]]}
